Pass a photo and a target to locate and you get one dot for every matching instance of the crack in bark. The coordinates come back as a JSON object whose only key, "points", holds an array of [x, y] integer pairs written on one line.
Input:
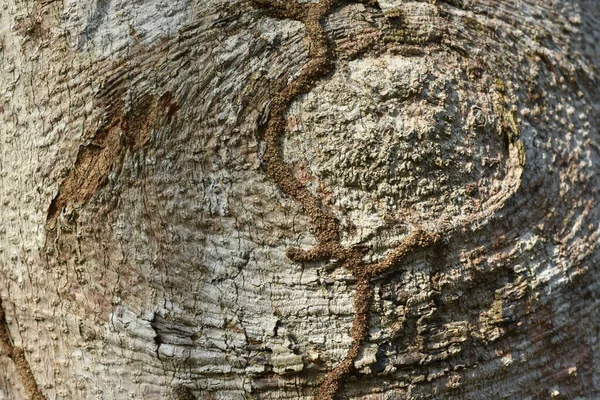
{"points": [[17, 355], [183, 393], [320, 64]]}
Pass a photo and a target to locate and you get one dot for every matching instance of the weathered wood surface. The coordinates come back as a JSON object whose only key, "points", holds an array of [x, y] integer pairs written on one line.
{"points": [[163, 164]]}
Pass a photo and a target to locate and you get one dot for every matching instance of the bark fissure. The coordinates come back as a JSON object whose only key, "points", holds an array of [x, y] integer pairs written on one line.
{"points": [[321, 63], [17, 355]]}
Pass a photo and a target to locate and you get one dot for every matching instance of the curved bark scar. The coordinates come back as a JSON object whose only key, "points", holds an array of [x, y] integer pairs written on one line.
{"points": [[105, 148]]}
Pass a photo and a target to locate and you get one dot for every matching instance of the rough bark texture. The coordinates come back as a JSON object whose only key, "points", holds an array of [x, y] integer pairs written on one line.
{"points": [[218, 199]]}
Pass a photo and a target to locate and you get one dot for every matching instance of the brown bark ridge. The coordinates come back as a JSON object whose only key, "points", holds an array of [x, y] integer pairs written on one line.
{"points": [[328, 247], [17, 355]]}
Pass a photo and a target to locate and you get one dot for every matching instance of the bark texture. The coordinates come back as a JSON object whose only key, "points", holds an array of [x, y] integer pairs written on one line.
{"points": [[217, 199]]}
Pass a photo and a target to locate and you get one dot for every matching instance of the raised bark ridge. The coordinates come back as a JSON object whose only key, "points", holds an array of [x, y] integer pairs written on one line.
{"points": [[327, 228]]}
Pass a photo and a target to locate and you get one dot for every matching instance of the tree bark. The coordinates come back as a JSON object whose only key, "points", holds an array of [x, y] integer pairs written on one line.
{"points": [[226, 199]]}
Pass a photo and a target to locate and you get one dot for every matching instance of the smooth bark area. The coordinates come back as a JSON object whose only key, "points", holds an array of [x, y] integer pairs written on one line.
{"points": [[222, 199]]}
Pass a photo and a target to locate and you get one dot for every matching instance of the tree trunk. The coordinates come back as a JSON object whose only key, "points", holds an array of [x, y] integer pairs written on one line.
{"points": [[227, 199]]}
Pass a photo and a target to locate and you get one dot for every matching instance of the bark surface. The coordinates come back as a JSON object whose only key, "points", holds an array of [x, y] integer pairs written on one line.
{"points": [[224, 199]]}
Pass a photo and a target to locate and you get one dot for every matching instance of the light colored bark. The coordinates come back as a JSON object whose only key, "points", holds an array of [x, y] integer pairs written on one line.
{"points": [[145, 237]]}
